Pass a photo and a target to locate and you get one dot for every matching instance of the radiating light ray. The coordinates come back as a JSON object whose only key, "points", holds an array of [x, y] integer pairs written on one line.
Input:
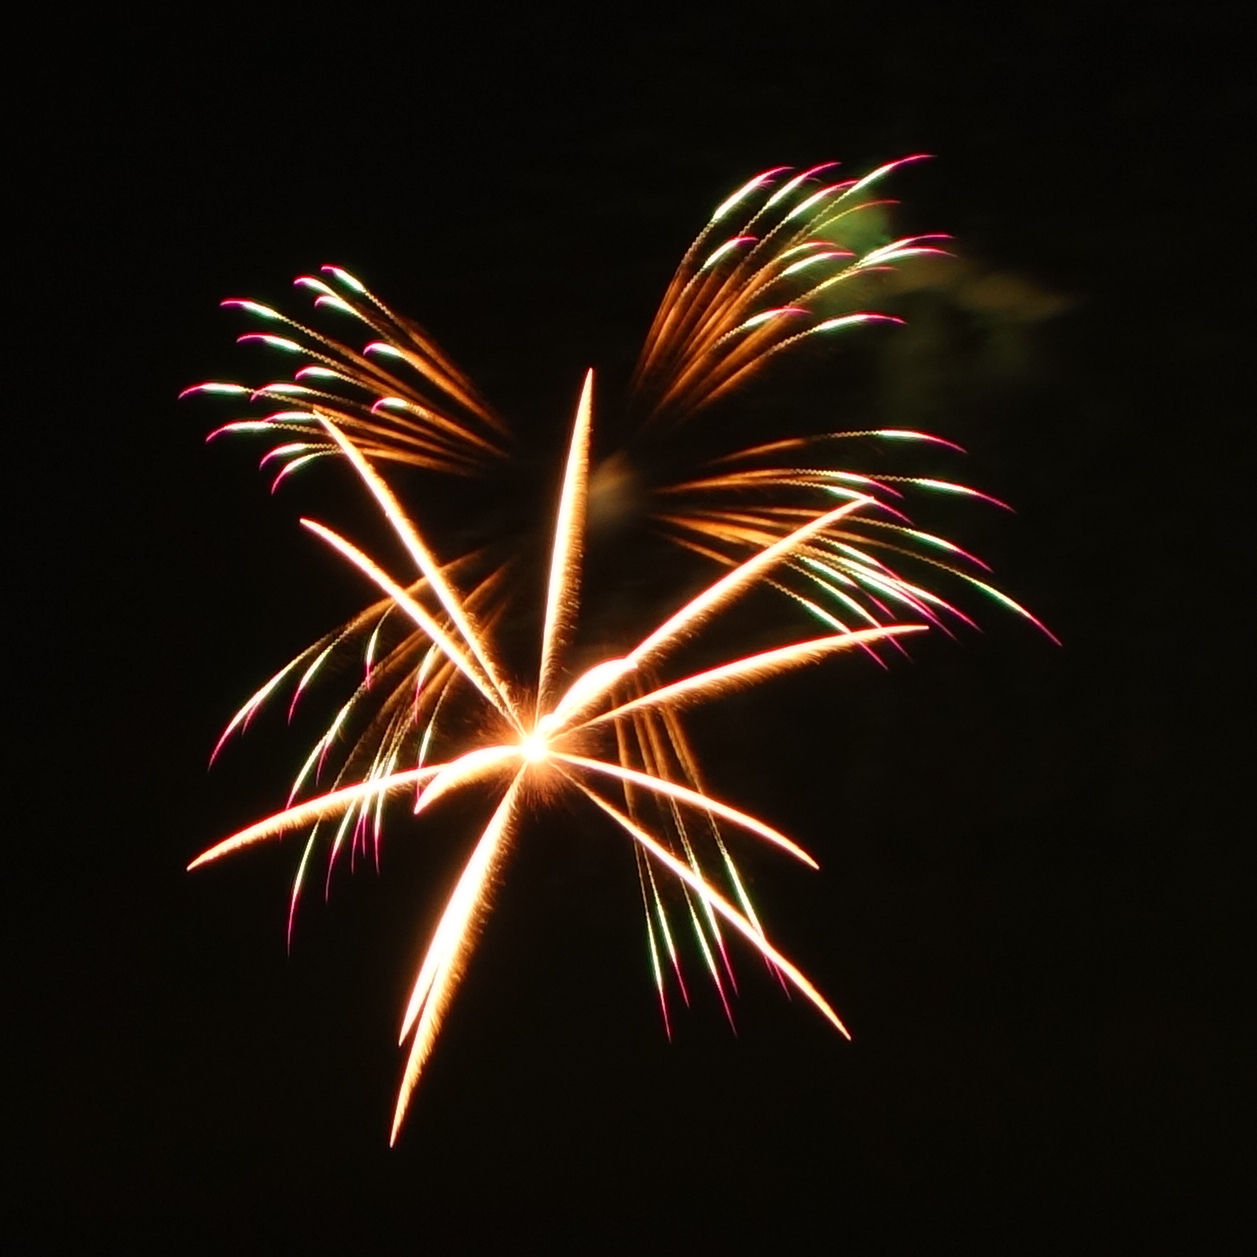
{"points": [[656, 753], [702, 802], [439, 637], [562, 587], [312, 810], [484, 761], [448, 950], [747, 670], [429, 567], [690, 767]]}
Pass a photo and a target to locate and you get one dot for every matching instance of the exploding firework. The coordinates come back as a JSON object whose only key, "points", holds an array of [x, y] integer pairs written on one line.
{"points": [[770, 270]]}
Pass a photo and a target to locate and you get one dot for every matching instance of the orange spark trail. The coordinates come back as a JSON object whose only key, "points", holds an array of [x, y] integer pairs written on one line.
{"points": [[315, 810], [563, 586], [425, 563], [447, 953]]}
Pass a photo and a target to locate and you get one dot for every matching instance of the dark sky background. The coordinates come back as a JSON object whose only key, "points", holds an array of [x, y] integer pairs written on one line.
{"points": [[1034, 896]]}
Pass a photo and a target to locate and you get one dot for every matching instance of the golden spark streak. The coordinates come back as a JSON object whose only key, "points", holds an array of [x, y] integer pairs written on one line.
{"points": [[448, 647], [476, 764], [750, 668], [722, 906], [424, 561], [318, 809], [703, 802], [451, 943], [593, 685], [563, 586]]}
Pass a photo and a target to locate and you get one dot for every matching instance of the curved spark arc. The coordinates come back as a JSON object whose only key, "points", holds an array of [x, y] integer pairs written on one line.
{"points": [[302, 814]]}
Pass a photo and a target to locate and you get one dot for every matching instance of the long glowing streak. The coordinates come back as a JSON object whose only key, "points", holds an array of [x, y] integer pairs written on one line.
{"points": [[451, 943], [808, 204], [333, 302], [752, 668], [661, 915], [723, 249], [704, 802], [593, 685], [438, 636], [587, 689], [561, 592], [337, 842], [296, 885], [423, 558], [697, 609], [656, 967], [316, 809], [713, 897]]}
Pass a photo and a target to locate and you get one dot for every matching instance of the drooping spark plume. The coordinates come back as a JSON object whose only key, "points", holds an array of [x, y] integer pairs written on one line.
{"points": [[787, 259]]}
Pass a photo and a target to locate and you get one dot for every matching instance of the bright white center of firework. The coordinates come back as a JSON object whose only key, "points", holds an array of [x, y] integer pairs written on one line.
{"points": [[536, 748]]}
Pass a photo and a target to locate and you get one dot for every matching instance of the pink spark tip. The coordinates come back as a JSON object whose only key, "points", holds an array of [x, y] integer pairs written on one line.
{"points": [[239, 425], [345, 278], [275, 342], [946, 486], [250, 307], [903, 434], [864, 316], [210, 386]]}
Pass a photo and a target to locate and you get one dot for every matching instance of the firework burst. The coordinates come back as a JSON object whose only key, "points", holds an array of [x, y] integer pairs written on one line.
{"points": [[771, 270]]}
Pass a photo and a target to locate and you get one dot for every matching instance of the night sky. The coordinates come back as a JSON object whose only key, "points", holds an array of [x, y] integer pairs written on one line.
{"points": [[1033, 905]]}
